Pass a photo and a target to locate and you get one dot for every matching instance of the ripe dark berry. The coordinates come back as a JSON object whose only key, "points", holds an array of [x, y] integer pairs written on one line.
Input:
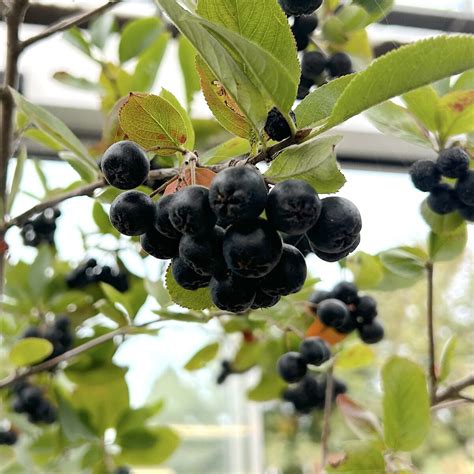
{"points": [[262, 300], [163, 223], [301, 39], [300, 7], [132, 213], [315, 351], [303, 90], [288, 276], [335, 257], [125, 165], [366, 308], [31, 397], [238, 193], [252, 248], [276, 126], [425, 175], [190, 212], [346, 292], [301, 242], [465, 189], [157, 245], [442, 199], [333, 313], [338, 226], [233, 294], [305, 24], [123, 469], [371, 333], [319, 295], [348, 325], [291, 367], [186, 277], [8, 437], [202, 252], [313, 64], [32, 331], [453, 162], [293, 206], [466, 211], [339, 64]]}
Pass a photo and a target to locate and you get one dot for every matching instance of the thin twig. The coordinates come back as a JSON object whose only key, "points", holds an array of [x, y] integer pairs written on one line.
{"points": [[326, 417], [164, 186], [453, 390], [430, 329], [67, 23], [450, 404]]}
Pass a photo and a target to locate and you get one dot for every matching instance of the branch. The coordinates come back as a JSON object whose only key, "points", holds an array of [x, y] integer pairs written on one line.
{"points": [[430, 328], [67, 23], [453, 390], [326, 417]]}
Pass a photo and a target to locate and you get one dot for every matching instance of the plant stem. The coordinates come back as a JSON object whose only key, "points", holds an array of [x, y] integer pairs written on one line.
{"points": [[430, 329], [453, 390], [326, 417]]}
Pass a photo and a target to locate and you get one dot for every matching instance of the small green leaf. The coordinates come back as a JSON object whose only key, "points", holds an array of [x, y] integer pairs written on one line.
{"points": [[367, 270], [138, 417], [202, 357], [18, 174], [333, 30], [197, 300], [37, 275], [30, 350], [445, 247], [377, 9], [441, 224], [77, 82], [464, 82], [152, 121], [423, 104], [406, 404], [353, 17], [101, 29], [137, 36], [247, 356], [73, 428], [101, 218], [355, 356], [187, 60], [313, 161], [75, 37], [361, 458], [231, 148], [447, 355], [269, 387], [456, 113], [403, 262]]}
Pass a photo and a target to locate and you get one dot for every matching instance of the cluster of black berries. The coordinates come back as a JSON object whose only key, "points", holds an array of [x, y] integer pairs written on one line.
{"points": [[8, 437], [122, 470], [90, 272], [41, 229], [59, 334], [315, 67], [452, 163], [345, 310], [30, 399]]}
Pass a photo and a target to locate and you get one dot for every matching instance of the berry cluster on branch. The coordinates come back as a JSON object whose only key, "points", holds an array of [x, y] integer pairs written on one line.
{"points": [[29, 399], [41, 228]]}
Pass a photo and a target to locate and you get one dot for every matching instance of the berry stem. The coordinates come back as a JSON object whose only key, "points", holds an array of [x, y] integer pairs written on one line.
{"points": [[162, 188], [326, 417], [291, 124], [430, 328]]}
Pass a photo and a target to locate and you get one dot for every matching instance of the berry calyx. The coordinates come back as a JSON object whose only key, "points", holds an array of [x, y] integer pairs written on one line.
{"points": [[291, 367], [315, 351], [453, 162], [276, 126], [125, 165], [425, 175], [132, 213]]}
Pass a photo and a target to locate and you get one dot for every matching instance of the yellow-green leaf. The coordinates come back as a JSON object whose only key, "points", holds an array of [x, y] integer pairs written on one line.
{"points": [[202, 357], [30, 350], [446, 357]]}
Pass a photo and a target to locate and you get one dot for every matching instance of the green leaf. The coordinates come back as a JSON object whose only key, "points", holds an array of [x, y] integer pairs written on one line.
{"points": [[75, 37], [234, 147], [148, 64], [423, 104], [152, 121], [147, 446], [441, 224], [361, 458], [313, 161], [197, 299], [333, 30], [446, 358], [137, 36], [202, 357], [317, 106], [378, 82], [367, 270], [77, 82], [456, 113], [355, 356], [30, 350], [54, 127], [247, 356], [445, 247], [18, 174], [102, 220], [82, 168], [395, 120], [403, 262], [363, 422], [37, 275], [73, 428], [101, 29], [269, 387], [353, 17], [138, 417], [377, 9], [187, 61], [112, 312], [464, 82], [406, 404]]}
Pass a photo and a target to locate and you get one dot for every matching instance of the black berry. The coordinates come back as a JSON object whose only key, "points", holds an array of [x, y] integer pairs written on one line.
{"points": [[293, 206], [132, 213], [319, 295], [313, 64], [442, 199], [238, 193], [190, 212], [233, 294], [252, 248], [289, 274], [292, 367], [301, 39], [466, 211], [157, 245], [8, 437], [305, 24], [366, 308], [339, 64], [453, 162], [465, 189], [335, 257], [125, 165], [315, 351], [425, 175], [333, 313], [346, 292], [262, 300], [300, 7], [371, 333], [163, 223], [186, 277], [276, 126], [338, 226], [301, 242]]}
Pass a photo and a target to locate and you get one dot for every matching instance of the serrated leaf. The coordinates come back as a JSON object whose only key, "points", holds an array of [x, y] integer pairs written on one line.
{"points": [[378, 82], [395, 120], [197, 300], [137, 36], [152, 121], [445, 247], [367, 270], [441, 224], [29, 351], [355, 356], [231, 148], [406, 405], [223, 107], [423, 104], [187, 61], [202, 357], [313, 161], [17, 176], [360, 458], [446, 358]]}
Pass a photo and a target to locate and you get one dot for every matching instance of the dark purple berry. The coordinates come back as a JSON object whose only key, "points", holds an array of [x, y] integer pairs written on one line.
{"points": [[300, 7], [305, 24], [339, 64], [315, 351], [425, 175], [346, 292], [453, 162], [467, 212], [333, 313], [335, 257], [186, 277], [366, 308], [465, 189], [313, 64], [132, 213], [276, 126], [163, 223], [442, 199], [233, 294], [371, 333], [158, 245], [262, 300], [292, 367]]}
